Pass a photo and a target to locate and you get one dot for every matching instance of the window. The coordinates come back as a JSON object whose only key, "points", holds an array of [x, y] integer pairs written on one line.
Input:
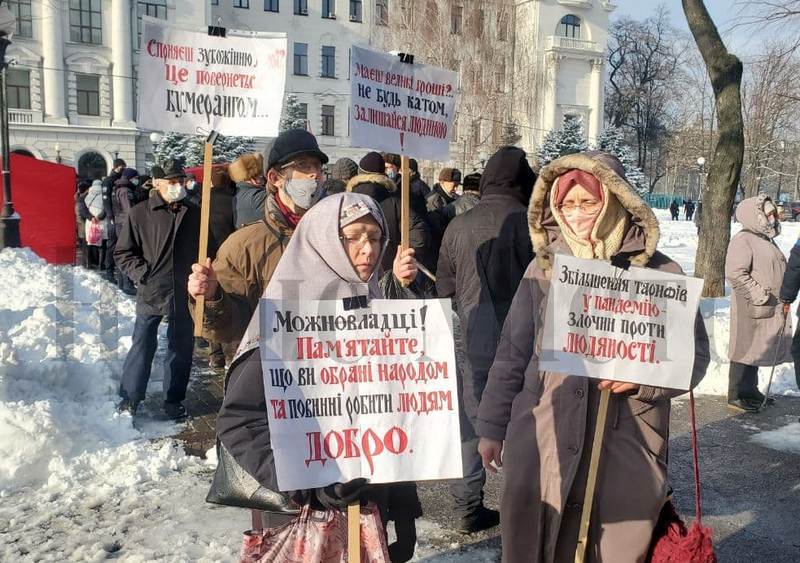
{"points": [[18, 88], [152, 8], [328, 62], [302, 111], [455, 19], [301, 59], [382, 12], [85, 21], [241, 4], [22, 13], [329, 9], [328, 120], [355, 11], [570, 26], [300, 7], [215, 2], [88, 88], [271, 6]]}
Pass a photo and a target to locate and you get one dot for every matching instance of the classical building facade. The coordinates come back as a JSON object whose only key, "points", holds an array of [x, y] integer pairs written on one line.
{"points": [[72, 86], [524, 66]]}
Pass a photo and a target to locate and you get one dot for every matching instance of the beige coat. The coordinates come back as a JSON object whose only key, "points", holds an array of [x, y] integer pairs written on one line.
{"points": [[547, 419], [754, 267]]}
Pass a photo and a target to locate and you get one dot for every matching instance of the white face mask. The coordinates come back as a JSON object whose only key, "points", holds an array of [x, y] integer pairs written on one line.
{"points": [[301, 190], [190, 185], [174, 192]]}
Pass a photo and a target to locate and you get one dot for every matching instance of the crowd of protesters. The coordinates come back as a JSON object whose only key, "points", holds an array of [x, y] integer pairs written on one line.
{"points": [[484, 240]]}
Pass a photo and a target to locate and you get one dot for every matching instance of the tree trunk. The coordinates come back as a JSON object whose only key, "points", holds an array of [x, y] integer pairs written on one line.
{"points": [[725, 72]]}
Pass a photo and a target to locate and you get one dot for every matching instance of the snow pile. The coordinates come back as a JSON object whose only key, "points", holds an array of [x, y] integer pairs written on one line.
{"points": [[679, 242], [786, 439], [69, 464]]}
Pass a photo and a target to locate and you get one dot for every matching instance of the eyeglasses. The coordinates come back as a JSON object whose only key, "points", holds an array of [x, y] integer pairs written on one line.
{"points": [[589, 207], [304, 166], [358, 243]]}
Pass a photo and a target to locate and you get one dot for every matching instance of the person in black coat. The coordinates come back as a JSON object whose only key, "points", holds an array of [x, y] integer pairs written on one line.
{"points": [[483, 257], [442, 194], [117, 168], [467, 200], [788, 293], [156, 249], [372, 181]]}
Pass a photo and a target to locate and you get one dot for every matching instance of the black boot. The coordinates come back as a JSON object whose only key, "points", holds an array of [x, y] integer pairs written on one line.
{"points": [[744, 405], [175, 411], [126, 406], [481, 519]]}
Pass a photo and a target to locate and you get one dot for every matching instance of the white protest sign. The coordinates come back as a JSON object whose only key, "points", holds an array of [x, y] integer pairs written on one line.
{"points": [[634, 325], [190, 82], [403, 108], [367, 393]]}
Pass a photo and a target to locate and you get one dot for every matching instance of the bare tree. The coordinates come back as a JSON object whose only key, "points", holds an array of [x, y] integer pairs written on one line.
{"points": [[725, 71], [777, 15]]}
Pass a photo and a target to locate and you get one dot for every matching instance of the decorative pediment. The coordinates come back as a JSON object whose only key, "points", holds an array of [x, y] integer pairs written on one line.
{"points": [[22, 55], [88, 62]]}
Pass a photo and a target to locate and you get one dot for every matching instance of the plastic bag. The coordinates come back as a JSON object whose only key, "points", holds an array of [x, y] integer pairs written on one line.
{"points": [[94, 233], [316, 536]]}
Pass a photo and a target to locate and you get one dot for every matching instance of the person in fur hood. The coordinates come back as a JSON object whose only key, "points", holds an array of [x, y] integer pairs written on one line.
{"points": [[542, 423], [372, 180]]}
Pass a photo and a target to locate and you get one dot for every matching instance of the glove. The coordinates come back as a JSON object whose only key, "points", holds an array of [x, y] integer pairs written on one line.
{"points": [[339, 495]]}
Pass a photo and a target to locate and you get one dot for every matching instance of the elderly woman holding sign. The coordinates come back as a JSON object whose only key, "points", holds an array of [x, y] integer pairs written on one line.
{"points": [[335, 253], [541, 424]]}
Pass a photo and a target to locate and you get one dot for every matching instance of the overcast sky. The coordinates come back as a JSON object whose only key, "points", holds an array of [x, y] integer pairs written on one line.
{"points": [[724, 13]]}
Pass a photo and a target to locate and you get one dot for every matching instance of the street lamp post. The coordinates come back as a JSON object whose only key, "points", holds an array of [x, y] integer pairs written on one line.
{"points": [[9, 220], [155, 139], [701, 164]]}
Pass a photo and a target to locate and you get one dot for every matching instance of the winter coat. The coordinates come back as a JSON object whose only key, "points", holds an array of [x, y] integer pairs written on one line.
{"points": [[463, 204], [380, 188], [755, 266], [483, 256], [249, 204], [547, 419], [243, 266], [126, 195], [438, 198], [220, 221], [156, 249], [81, 215]]}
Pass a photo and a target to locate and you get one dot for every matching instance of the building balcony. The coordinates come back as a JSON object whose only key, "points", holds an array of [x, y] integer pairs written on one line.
{"points": [[24, 116], [557, 42]]}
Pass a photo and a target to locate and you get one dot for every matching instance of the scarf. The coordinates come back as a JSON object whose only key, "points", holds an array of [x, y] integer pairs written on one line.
{"points": [[291, 217]]}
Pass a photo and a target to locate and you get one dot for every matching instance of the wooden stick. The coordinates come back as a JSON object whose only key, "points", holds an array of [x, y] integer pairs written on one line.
{"points": [[405, 202], [354, 533], [202, 252], [591, 480]]}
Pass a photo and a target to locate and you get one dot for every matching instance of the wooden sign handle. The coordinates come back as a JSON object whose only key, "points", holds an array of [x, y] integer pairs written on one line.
{"points": [[591, 480], [354, 533], [405, 202], [202, 251]]}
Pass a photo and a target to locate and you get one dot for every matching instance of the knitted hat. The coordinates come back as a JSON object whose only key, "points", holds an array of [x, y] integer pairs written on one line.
{"points": [[472, 182], [129, 173], [450, 175], [246, 167], [372, 163], [344, 169]]}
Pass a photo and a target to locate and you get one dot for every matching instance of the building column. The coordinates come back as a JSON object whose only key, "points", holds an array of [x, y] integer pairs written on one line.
{"points": [[596, 100], [53, 62], [550, 121], [121, 59]]}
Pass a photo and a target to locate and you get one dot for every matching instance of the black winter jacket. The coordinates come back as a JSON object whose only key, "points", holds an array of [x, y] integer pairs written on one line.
{"points": [[220, 222], [463, 204], [249, 204], [156, 249], [791, 277]]}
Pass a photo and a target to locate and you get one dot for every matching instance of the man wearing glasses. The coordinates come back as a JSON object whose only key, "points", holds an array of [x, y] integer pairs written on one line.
{"points": [[246, 260], [156, 248]]}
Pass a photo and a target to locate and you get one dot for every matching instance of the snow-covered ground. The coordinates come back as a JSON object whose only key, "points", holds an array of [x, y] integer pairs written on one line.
{"points": [[79, 483]]}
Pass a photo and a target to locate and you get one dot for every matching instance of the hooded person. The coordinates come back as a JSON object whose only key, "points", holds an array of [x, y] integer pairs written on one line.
{"points": [[95, 226], [542, 423], [330, 267], [372, 181], [755, 268], [483, 256], [246, 260]]}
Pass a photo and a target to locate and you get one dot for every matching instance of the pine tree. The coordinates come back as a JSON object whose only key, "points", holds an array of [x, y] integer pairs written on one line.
{"points": [[188, 149], [570, 139], [612, 141], [294, 117]]}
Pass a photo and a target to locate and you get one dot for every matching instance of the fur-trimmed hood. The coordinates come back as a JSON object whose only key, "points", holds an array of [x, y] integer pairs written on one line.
{"points": [[371, 178], [640, 240]]}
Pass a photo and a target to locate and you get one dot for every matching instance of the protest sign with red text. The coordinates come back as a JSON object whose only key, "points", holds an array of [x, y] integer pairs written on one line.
{"points": [[407, 109], [190, 82], [369, 392], [634, 325]]}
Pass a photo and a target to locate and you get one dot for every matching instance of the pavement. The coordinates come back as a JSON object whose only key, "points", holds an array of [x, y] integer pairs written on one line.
{"points": [[750, 493]]}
